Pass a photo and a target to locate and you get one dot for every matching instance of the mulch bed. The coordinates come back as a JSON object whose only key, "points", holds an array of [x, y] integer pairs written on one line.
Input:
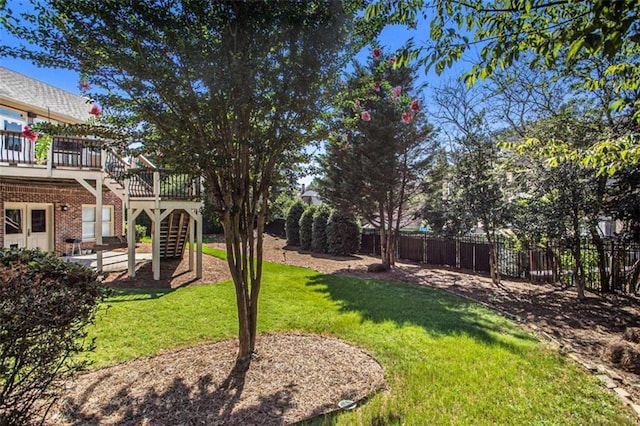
{"points": [[295, 377]]}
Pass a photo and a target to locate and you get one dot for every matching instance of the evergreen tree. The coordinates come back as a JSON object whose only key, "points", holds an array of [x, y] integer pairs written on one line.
{"points": [[380, 148], [319, 230], [292, 225], [343, 234], [306, 225]]}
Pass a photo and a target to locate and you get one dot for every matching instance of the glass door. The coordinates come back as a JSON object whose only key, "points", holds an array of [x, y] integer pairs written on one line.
{"points": [[15, 230]]}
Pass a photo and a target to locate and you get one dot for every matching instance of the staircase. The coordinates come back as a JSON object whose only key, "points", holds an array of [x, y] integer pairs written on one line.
{"points": [[173, 234], [139, 183]]}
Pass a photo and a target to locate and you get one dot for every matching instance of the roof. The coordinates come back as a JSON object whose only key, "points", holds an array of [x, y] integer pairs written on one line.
{"points": [[44, 99]]}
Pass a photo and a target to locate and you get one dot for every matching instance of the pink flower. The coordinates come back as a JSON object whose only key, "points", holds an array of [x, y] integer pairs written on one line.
{"points": [[407, 117], [377, 53], [415, 105], [95, 110], [159, 154], [30, 134], [376, 86], [356, 105], [365, 116], [396, 91], [392, 60], [84, 85]]}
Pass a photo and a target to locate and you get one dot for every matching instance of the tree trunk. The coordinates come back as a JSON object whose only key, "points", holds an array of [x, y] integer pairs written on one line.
{"points": [[602, 259], [384, 242], [236, 261], [578, 271], [494, 271], [244, 244]]}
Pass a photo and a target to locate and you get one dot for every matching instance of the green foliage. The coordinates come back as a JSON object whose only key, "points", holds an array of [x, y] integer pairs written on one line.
{"points": [[343, 234], [565, 37], [45, 304], [319, 229], [42, 148], [292, 225], [280, 206], [306, 227], [141, 231]]}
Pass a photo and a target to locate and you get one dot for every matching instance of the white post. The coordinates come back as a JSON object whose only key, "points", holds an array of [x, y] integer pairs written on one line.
{"points": [[99, 220], [131, 241], [192, 248], [50, 158], [199, 237], [155, 256]]}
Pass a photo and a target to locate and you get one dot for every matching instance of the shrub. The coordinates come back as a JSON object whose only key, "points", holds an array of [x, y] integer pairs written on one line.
{"points": [[141, 231], [306, 227], [45, 304], [343, 234], [292, 227], [319, 230]]}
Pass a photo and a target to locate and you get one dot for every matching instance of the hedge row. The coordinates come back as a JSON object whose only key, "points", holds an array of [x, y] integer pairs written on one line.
{"points": [[322, 230]]}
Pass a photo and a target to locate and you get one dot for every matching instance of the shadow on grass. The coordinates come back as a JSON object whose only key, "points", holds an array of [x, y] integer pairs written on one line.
{"points": [[438, 313], [179, 403], [117, 295]]}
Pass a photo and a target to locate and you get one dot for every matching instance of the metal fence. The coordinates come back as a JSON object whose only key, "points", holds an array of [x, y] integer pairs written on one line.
{"points": [[548, 263]]}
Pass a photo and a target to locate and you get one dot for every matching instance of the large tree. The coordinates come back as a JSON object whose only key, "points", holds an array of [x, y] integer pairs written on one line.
{"points": [[477, 179], [222, 89], [380, 148]]}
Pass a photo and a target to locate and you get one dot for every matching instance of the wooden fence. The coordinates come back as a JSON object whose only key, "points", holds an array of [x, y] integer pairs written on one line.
{"points": [[551, 263]]}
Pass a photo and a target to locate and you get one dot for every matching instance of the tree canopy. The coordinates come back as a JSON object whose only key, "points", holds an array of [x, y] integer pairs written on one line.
{"points": [[542, 34], [225, 90]]}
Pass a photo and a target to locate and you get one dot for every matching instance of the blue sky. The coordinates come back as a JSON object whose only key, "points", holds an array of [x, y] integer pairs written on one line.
{"points": [[391, 39]]}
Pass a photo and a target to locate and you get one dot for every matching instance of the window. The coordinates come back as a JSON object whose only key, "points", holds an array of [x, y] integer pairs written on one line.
{"points": [[12, 142], [89, 221], [38, 220], [13, 221]]}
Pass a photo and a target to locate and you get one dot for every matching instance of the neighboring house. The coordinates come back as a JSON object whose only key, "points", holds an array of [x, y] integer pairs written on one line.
{"points": [[310, 197], [77, 194]]}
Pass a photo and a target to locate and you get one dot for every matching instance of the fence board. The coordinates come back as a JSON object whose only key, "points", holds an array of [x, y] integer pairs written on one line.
{"points": [[441, 252], [411, 247]]}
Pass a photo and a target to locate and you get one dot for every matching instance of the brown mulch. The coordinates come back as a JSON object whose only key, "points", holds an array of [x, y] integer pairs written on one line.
{"points": [[174, 273], [294, 378], [548, 310]]}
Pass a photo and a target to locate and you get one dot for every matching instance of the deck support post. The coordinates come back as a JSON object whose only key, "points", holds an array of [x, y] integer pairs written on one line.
{"points": [[155, 260]]}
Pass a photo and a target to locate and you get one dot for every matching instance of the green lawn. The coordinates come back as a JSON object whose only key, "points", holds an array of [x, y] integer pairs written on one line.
{"points": [[447, 361]]}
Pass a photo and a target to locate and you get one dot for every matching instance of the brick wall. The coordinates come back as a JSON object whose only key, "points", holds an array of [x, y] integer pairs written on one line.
{"points": [[66, 224]]}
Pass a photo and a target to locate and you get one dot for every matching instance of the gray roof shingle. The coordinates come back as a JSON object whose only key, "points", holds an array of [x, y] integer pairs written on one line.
{"points": [[42, 96]]}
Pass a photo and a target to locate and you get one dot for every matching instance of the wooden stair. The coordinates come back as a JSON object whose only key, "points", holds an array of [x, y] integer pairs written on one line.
{"points": [[174, 230]]}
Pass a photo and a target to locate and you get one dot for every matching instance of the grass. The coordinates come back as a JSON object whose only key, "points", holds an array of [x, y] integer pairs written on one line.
{"points": [[447, 361]]}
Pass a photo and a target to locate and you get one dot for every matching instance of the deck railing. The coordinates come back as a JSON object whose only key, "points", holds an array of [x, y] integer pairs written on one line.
{"points": [[16, 149], [76, 152], [139, 175]]}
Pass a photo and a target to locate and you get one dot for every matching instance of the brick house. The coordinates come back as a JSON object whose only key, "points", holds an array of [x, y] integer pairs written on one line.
{"points": [[78, 189]]}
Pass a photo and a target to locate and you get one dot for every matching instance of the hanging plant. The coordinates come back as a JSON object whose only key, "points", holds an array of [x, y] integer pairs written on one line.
{"points": [[42, 148]]}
